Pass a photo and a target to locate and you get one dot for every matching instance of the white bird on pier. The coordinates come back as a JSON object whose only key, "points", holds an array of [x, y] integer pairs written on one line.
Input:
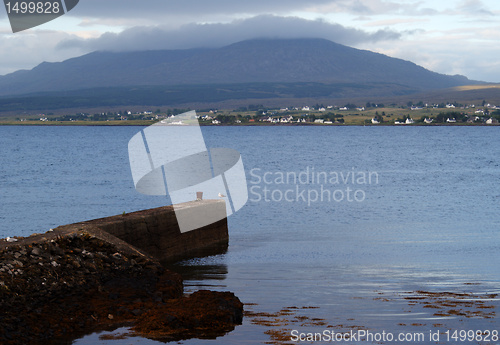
{"points": [[11, 239], [221, 195]]}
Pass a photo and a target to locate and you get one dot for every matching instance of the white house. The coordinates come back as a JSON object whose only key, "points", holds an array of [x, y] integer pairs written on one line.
{"points": [[319, 121], [426, 120], [451, 120], [409, 121], [375, 121]]}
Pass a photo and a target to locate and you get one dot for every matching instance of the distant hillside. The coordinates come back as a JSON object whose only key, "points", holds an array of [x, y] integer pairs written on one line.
{"points": [[270, 61]]}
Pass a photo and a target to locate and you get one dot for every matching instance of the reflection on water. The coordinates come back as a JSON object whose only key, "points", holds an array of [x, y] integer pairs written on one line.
{"points": [[199, 272], [392, 299], [196, 274]]}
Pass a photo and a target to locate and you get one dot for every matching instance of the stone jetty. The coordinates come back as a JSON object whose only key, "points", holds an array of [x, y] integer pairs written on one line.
{"points": [[85, 277]]}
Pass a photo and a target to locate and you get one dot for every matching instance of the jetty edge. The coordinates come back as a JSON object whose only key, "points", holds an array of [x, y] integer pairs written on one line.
{"points": [[105, 273]]}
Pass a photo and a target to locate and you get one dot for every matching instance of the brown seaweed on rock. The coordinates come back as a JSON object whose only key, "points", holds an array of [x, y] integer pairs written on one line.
{"points": [[77, 284]]}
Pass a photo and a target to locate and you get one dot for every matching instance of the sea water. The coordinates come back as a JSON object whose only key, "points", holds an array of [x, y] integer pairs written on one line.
{"points": [[343, 229]]}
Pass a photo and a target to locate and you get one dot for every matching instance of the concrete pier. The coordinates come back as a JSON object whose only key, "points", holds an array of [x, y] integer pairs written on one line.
{"points": [[153, 233]]}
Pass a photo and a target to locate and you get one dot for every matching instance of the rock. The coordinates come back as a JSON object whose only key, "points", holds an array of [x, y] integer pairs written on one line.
{"points": [[81, 283], [36, 251], [17, 263], [202, 313]]}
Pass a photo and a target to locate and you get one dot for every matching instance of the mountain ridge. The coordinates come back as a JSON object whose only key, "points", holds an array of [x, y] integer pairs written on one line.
{"points": [[251, 61]]}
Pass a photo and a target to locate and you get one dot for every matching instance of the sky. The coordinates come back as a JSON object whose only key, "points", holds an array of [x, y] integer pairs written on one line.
{"points": [[445, 36]]}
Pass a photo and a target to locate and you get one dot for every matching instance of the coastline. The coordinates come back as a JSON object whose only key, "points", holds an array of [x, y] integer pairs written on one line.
{"points": [[86, 277], [261, 124]]}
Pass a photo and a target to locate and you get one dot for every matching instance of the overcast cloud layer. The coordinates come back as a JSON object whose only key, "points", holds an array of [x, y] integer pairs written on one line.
{"points": [[447, 36], [218, 35]]}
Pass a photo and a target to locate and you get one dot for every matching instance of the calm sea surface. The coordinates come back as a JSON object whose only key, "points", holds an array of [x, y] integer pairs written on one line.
{"points": [[343, 227]]}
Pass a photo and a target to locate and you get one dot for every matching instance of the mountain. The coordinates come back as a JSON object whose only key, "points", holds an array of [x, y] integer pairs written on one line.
{"points": [[253, 61]]}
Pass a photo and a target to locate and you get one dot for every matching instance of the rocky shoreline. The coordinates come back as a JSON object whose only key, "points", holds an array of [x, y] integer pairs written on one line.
{"points": [[64, 286]]}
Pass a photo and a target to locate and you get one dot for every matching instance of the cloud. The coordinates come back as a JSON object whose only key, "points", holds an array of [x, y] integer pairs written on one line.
{"points": [[217, 35], [373, 7], [474, 7], [28, 49], [195, 9], [450, 53], [396, 21]]}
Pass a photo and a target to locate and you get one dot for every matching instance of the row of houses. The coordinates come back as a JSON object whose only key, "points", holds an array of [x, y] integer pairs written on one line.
{"points": [[287, 119], [321, 109], [410, 121], [453, 106], [308, 108]]}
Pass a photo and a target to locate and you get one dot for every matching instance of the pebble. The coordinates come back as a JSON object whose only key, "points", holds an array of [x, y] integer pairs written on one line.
{"points": [[17, 263], [36, 251]]}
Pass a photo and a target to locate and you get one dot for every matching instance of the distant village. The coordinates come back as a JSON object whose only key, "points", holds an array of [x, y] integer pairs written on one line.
{"points": [[369, 114], [328, 115], [127, 115]]}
